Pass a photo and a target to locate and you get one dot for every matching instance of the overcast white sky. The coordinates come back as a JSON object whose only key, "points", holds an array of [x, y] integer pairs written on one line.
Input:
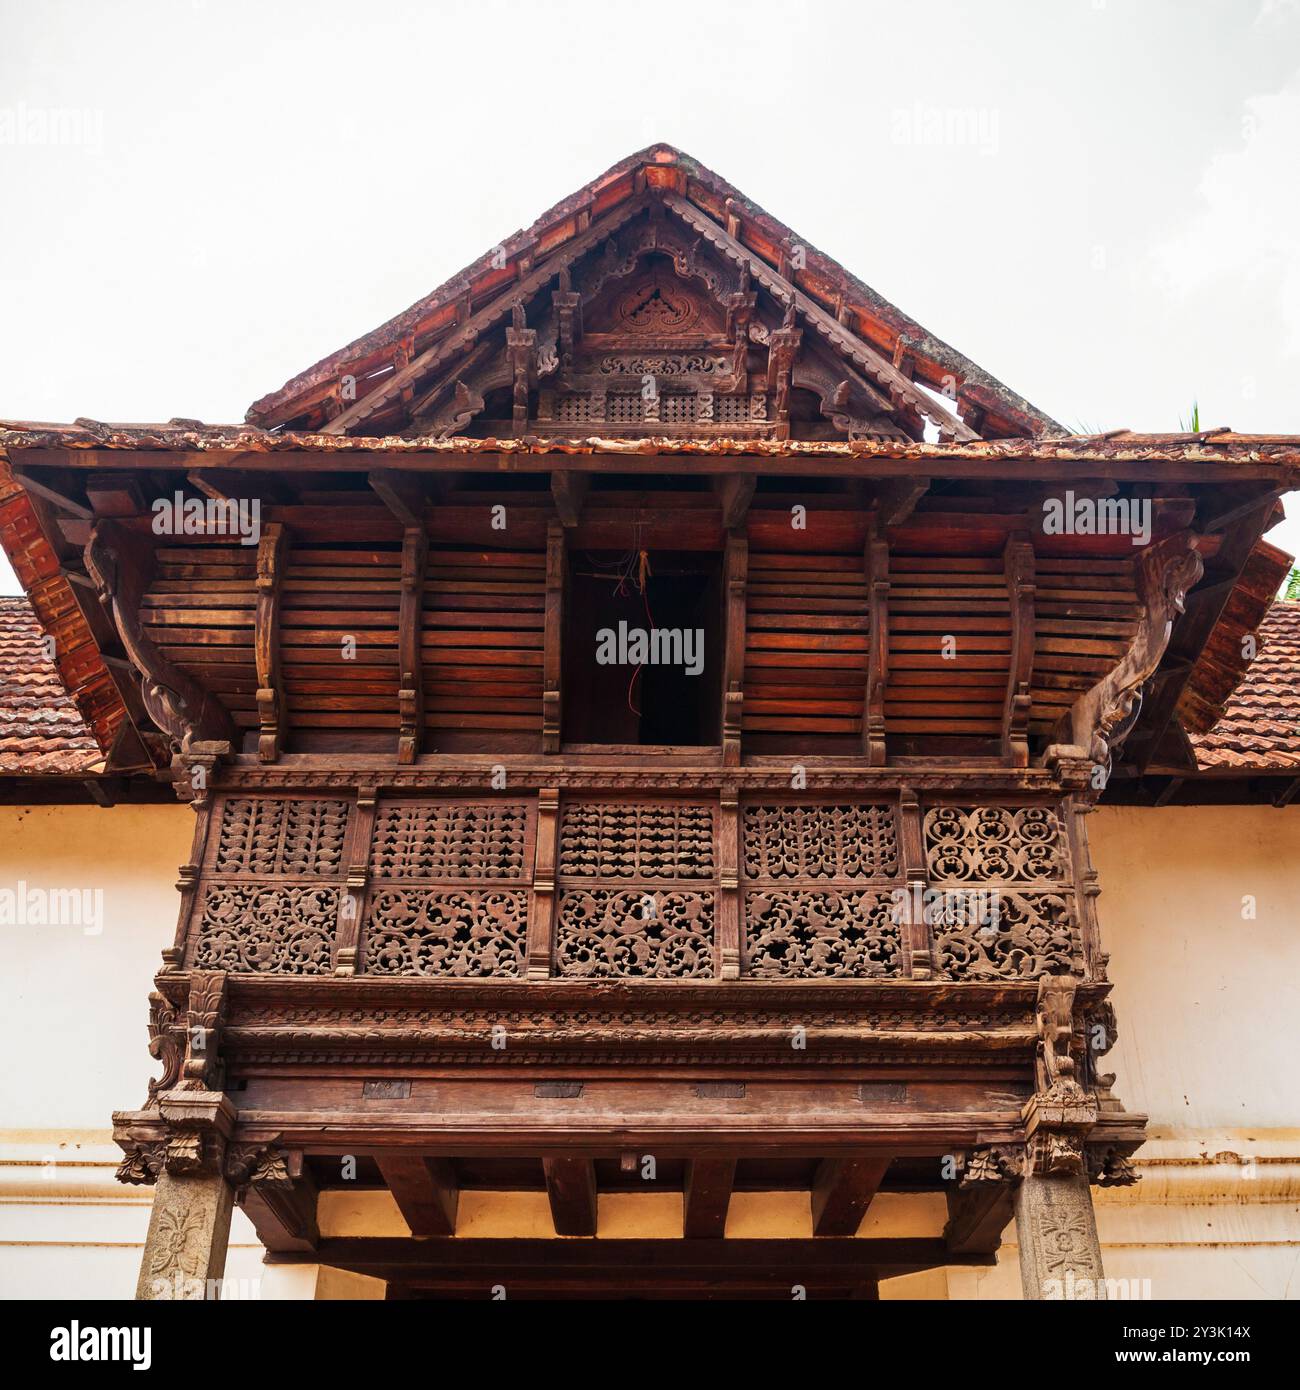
{"points": [[1097, 200]]}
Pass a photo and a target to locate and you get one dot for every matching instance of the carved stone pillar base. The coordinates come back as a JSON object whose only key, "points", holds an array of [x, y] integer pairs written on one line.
{"points": [[189, 1229], [1060, 1256]]}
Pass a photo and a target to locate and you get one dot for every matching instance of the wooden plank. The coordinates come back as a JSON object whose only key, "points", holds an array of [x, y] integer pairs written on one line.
{"points": [[571, 1190], [425, 1191], [706, 1197], [842, 1191]]}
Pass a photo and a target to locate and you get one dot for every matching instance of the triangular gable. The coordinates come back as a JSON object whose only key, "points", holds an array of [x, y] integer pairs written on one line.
{"points": [[655, 301]]}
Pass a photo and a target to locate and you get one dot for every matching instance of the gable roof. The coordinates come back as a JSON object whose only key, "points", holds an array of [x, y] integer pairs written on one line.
{"points": [[41, 732], [1260, 726], [893, 349]]}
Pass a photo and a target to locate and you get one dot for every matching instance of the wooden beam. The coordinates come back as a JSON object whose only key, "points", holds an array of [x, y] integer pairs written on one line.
{"points": [[402, 493], [410, 665], [271, 712], [706, 1197], [281, 1203], [735, 580], [896, 500], [842, 1191], [115, 494], [56, 496], [873, 702], [571, 1190], [569, 489], [978, 1213], [478, 323], [425, 1190], [1018, 567], [553, 632], [884, 371], [734, 491]]}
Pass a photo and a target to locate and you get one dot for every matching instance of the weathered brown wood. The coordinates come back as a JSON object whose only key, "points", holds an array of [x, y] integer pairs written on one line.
{"points": [[735, 636], [553, 632], [541, 913], [281, 1201], [874, 722], [410, 622], [734, 492], [1019, 562], [706, 1197], [425, 1190], [842, 1192], [571, 1190], [271, 711], [978, 1213], [569, 491]]}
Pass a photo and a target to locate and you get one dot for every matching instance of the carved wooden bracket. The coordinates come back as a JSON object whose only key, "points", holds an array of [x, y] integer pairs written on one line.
{"points": [[1101, 719], [120, 564], [266, 641], [201, 1069]]}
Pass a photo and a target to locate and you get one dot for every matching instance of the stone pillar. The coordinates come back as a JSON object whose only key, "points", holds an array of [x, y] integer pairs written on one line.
{"points": [[1060, 1255], [189, 1227]]}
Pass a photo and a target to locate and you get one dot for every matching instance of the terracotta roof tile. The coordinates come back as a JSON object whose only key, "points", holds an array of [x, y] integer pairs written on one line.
{"points": [[1260, 728], [41, 733]]}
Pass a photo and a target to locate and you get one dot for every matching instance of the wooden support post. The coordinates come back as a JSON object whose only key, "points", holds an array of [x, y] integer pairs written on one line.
{"points": [[347, 934], [571, 1189], [842, 1191], [1060, 1255], [873, 705], [735, 579], [706, 1195], [541, 911], [271, 713], [425, 1190], [916, 929], [552, 664], [1018, 563], [410, 625], [729, 904]]}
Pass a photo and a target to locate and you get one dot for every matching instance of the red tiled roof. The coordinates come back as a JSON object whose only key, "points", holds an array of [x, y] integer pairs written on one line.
{"points": [[1260, 728], [41, 732]]}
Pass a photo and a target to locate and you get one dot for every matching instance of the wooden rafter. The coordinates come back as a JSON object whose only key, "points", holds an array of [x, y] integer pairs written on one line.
{"points": [[842, 1191], [425, 1190], [706, 1197], [571, 1190]]}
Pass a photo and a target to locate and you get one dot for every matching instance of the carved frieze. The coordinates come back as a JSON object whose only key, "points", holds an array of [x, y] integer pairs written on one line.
{"points": [[288, 929]]}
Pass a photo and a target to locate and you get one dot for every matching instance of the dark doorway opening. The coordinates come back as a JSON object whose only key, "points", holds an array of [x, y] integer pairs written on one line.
{"points": [[643, 648]]}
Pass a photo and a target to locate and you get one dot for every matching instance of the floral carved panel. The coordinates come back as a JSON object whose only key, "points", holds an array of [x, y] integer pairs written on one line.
{"points": [[258, 927], [822, 933], [614, 933], [820, 842], [459, 933]]}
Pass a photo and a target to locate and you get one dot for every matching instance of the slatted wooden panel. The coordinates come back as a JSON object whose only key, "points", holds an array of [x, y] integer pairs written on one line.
{"points": [[484, 613], [932, 696], [330, 594], [806, 640], [1086, 612], [199, 612]]}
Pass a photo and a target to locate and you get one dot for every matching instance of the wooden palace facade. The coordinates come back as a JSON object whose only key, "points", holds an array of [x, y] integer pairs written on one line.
{"points": [[641, 708]]}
